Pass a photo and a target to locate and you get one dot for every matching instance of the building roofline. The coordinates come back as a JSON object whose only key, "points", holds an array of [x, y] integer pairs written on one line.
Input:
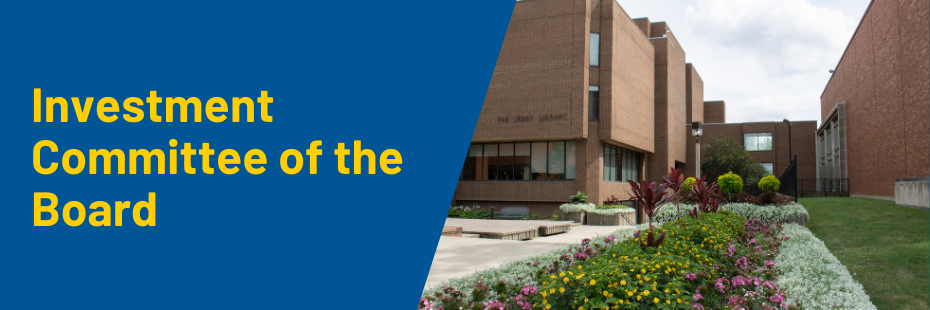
{"points": [[847, 47]]}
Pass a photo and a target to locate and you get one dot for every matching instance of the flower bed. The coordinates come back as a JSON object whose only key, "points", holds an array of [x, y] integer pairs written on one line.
{"points": [[575, 211], [813, 277], [716, 261], [789, 213]]}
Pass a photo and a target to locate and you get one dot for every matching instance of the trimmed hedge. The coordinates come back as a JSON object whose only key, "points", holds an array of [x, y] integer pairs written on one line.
{"points": [[811, 275], [785, 213]]}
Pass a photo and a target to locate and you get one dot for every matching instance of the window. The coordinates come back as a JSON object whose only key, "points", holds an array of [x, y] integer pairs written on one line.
{"points": [[620, 164], [593, 102], [595, 49], [758, 141], [768, 168], [546, 160]]}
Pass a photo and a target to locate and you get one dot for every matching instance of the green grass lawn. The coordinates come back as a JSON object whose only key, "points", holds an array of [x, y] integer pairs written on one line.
{"points": [[885, 247]]}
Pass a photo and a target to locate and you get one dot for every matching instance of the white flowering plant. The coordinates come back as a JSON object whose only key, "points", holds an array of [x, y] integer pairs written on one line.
{"points": [[767, 214], [813, 277], [576, 207]]}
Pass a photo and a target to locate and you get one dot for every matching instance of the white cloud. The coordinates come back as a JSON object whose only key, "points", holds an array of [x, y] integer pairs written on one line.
{"points": [[768, 59]]}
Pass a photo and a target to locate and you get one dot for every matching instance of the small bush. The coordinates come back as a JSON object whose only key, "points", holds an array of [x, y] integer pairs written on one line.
{"points": [[770, 183], [578, 198], [686, 187], [730, 183], [612, 200], [555, 217]]}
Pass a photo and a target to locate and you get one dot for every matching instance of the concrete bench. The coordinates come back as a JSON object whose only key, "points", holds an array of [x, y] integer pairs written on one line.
{"points": [[513, 213]]}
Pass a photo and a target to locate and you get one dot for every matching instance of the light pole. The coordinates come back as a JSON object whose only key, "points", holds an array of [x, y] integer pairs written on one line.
{"points": [[789, 140], [696, 131]]}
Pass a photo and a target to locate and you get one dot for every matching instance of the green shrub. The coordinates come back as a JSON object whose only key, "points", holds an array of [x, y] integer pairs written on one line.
{"points": [[689, 182], [607, 207], [770, 183], [555, 217], [730, 183], [579, 198]]}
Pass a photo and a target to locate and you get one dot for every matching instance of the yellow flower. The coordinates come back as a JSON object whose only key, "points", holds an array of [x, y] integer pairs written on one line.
{"points": [[622, 282], [666, 290], [552, 291], [544, 296], [646, 293], [638, 297], [643, 270], [565, 280], [561, 274], [655, 300], [592, 282], [668, 302]]}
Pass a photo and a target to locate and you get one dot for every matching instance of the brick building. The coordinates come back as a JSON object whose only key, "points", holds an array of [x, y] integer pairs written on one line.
{"points": [[874, 109], [584, 98]]}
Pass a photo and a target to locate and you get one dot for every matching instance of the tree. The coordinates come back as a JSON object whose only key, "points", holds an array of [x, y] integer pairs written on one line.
{"points": [[723, 154]]}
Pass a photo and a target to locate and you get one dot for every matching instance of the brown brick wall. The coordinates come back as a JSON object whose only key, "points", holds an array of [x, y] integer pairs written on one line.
{"points": [[883, 78], [715, 112], [626, 82], [802, 144], [541, 71], [670, 103], [694, 95]]}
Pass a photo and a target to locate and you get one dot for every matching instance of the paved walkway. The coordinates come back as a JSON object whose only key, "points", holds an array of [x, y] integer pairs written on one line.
{"points": [[456, 257]]}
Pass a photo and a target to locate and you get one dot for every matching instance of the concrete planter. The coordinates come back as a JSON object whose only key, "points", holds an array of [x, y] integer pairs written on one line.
{"points": [[577, 217], [618, 219]]}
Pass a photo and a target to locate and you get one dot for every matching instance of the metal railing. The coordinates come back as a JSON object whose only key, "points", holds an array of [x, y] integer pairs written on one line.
{"points": [[789, 180], [823, 187]]}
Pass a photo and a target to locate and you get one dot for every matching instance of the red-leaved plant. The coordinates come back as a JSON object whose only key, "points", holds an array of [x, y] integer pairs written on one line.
{"points": [[651, 197], [707, 196], [674, 180]]}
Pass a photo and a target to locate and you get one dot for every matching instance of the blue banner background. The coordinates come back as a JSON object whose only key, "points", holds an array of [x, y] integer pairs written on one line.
{"points": [[404, 75]]}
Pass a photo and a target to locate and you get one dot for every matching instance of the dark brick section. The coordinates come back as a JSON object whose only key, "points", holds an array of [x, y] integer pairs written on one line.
{"points": [[715, 112], [883, 78]]}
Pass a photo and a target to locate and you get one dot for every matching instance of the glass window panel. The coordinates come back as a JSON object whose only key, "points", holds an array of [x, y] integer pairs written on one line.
{"points": [[765, 141], [505, 172], [749, 141], [557, 160], [613, 163], [538, 158], [570, 160], [618, 155], [490, 161], [471, 169], [768, 168], [521, 159], [606, 163], [595, 49]]}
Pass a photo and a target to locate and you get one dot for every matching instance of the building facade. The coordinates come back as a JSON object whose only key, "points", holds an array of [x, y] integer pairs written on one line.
{"points": [[583, 98], [874, 109]]}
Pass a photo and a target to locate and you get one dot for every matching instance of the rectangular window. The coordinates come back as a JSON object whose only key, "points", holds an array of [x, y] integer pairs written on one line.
{"points": [[593, 102], [620, 164], [758, 141], [545, 160], [505, 170], [538, 166], [490, 159], [521, 161], [595, 49], [768, 167], [472, 168], [557, 160]]}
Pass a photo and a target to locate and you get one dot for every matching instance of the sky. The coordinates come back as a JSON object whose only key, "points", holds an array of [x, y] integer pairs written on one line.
{"points": [[767, 59]]}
